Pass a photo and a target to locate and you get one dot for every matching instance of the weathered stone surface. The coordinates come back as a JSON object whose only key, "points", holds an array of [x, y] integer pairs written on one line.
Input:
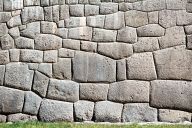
{"points": [[188, 29], [102, 35], [127, 34], [88, 46], [115, 50], [14, 55], [106, 111], [141, 66], [32, 103], [5, 16], [91, 10], [151, 30], [2, 73], [62, 32], [40, 84], [10, 5], [14, 32], [14, 21], [66, 53], [139, 112], [31, 2], [45, 68], [129, 91], [20, 117], [76, 10], [83, 110], [48, 27], [184, 18], [3, 29], [47, 42], [167, 18], [189, 41], [51, 110], [7, 42], [50, 56], [3, 118], [32, 30], [173, 36], [173, 116], [24, 43], [93, 92], [34, 56], [63, 90], [91, 67], [146, 44], [75, 22], [135, 18], [121, 70], [64, 12], [62, 69], [11, 98], [171, 94], [181, 4], [31, 14], [18, 75], [80, 33], [71, 44], [108, 8], [114, 21], [174, 63], [96, 21], [153, 17]]}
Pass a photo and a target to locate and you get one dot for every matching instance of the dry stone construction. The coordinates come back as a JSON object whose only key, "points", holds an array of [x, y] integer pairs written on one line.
{"points": [[96, 60]]}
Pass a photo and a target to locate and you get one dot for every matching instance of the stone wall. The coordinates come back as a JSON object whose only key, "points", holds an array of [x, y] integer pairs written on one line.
{"points": [[96, 60]]}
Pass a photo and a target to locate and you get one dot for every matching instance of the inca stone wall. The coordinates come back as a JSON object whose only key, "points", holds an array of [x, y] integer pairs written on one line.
{"points": [[96, 60]]}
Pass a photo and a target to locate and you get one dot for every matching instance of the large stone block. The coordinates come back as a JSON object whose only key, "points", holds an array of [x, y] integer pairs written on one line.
{"points": [[174, 63], [83, 110], [75, 22], [108, 8], [51, 110], [34, 56], [96, 21], [47, 42], [48, 27], [184, 18], [106, 111], [115, 50], [91, 67], [149, 5], [139, 112], [3, 118], [40, 84], [4, 57], [18, 75], [180, 4], [10, 5], [173, 116], [4, 17], [3, 29], [11, 100], [80, 33], [7, 42], [65, 90], [45, 68], [121, 70], [141, 66], [32, 103], [31, 14], [102, 35], [129, 91], [93, 92], [151, 30], [167, 18], [24, 43], [171, 94], [135, 18], [20, 117]]}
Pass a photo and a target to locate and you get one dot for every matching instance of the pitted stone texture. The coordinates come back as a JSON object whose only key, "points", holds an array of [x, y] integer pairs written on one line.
{"points": [[14, 32], [96, 21], [3, 29], [139, 112], [14, 21], [141, 66], [34, 56], [151, 30], [88, 46], [2, 74], [181, 4], [45, 68], [173, 116], [31, 14], [135, 18], [66, 53], [48, 27], [76, 10], [51, 111], [62, 69], [75, 22], [93, 92], [173, 36], [108, 8], [106, 111], [50, 56], [47, 42], [64, 90], [184, 18], [114, 21], [174, 63], [3, 118], [11, 100], [4, 57], [121, 70], [129, 91], [102, 35], [153, 17], [18, 75], [32, 30], [171, 94], [14, 55], [4, 17], [7, 42], [146, 44], [71, 44], [31, 2], [24, 43], [20, 117], [167, 18], [127, 34], [189, 42], [32, 103], [91, 67], [83, 110], [115, 50], [40, 84], [10, 5], [188, 29], [91, 10], [150, 5], [80, 33]]}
